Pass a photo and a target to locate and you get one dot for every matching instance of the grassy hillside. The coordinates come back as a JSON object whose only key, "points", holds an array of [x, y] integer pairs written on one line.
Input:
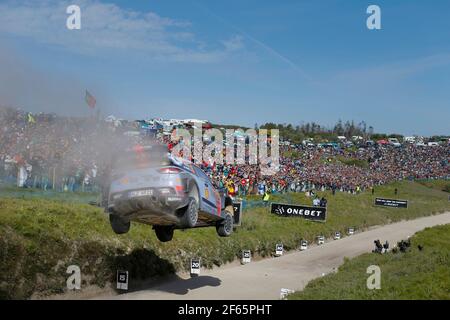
{"points": [[353, 162], [416, 274], [443, 185], [7, 191], [40, 238]]}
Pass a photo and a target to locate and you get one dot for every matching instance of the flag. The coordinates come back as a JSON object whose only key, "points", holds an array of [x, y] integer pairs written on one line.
{"points": [[31, 118], [90, 100]]}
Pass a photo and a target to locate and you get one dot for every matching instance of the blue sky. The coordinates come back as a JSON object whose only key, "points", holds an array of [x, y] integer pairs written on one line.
{"points": [[240, 62]]}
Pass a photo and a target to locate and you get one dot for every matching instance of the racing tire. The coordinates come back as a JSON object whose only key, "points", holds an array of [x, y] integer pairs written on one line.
{"points": [[119, 225], [225, 228], [190, 216], [164, 233]]}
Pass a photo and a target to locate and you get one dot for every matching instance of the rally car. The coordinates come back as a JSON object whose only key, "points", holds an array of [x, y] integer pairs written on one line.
{"points": [[150, 186]]}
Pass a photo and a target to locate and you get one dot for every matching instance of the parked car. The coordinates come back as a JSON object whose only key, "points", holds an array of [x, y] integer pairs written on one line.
{"points": [[394, 142]]}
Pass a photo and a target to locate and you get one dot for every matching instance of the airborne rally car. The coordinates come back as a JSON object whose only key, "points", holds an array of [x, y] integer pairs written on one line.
{"points": [[150, 186]]}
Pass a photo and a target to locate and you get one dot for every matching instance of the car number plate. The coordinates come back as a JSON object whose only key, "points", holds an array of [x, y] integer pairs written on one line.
{"points": [[140, 193]]}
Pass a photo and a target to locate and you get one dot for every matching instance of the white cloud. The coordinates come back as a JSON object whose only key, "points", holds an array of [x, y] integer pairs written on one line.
{"points": [[234, 43], [107, 28]]}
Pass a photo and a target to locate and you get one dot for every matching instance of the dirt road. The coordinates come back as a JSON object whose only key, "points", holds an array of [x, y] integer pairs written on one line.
{"points": [[264, 279]]}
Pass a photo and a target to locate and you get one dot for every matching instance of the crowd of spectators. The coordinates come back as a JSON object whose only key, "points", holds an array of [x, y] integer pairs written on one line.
{"points": [[50, 152], [321, 169], [71, 154]]}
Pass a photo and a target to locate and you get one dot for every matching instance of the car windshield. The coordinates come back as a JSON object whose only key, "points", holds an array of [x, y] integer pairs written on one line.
{"points": [[141, 157]]}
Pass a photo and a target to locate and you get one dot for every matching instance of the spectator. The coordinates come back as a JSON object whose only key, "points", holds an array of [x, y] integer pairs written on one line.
{"points": [[64, 151], [266, 198], [316, 202]]}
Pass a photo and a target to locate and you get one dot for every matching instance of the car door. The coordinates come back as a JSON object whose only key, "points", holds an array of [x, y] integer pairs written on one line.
{"points": [[207, 192]]}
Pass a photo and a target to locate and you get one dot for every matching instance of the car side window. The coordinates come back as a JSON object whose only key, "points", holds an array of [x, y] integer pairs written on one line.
{"points": [[201, 174]]}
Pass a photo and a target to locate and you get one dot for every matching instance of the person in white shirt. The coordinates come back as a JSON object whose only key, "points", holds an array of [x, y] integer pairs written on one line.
{"points": [[316, 202]]}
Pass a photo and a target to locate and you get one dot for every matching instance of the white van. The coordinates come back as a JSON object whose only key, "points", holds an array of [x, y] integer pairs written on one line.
{"points": [[394, 142]]}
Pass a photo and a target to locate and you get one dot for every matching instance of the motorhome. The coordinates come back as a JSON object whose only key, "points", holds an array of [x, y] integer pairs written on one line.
{"points": [[410, 139]]}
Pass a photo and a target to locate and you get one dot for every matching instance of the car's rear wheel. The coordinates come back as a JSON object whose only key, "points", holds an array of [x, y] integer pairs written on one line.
{"points": [[164, 233], [119, 225], [225, 227], [190, 216]]}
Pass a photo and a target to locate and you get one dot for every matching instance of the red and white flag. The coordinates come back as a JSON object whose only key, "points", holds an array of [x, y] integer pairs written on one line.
{"points": [[90, 100]]}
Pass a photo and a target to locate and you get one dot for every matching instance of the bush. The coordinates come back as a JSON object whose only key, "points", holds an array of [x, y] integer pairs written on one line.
{"points": [[446, 188]]}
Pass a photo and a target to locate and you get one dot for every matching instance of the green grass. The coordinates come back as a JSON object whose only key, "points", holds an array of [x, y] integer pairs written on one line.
{"points": [[414, 275], [442, 185], [31, 193], [354, 162], [40, 238], [293, 154]]}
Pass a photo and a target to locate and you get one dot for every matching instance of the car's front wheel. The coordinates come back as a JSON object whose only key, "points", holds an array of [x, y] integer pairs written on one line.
{"points": [[119, 225], [225, 227], [164, 233]]}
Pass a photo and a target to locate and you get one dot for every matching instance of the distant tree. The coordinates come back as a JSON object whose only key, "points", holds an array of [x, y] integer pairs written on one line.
{"points": [[363, 127], [379, 136], [395, 135], [339, 128], [307, 128], [269, 126], [298, 133]]}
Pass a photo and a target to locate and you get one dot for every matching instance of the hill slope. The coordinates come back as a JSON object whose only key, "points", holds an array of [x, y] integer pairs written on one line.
{"points": [[417, 274], [39, 238]]}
